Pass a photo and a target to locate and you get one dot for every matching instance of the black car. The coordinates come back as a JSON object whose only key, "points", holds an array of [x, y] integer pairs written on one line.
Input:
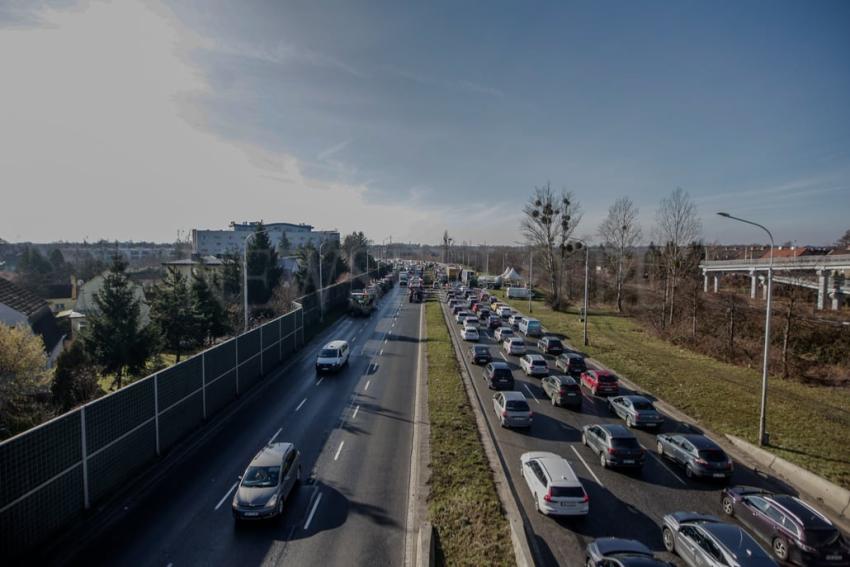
{"points": [[562, 390], [571, 363], [550, 345], [615, 552], [616, 445], [795, 531], [699, 455], [480, 354], [499, 376]]}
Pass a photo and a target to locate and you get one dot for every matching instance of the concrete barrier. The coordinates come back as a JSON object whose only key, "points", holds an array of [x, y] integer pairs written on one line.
{"points": [[834, 497], [425, 556]]}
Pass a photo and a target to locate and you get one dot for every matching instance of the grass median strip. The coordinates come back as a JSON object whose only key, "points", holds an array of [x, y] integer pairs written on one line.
{"points": [[809, 425], [463, 504]]}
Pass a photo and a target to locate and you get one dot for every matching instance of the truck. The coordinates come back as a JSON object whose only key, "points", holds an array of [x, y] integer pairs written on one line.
{"points": [[416, 295], [518, 293], [360, 304], [402, 279], [468, 277]]}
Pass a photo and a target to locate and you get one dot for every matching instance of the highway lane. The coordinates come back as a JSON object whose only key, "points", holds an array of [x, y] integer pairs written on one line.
{"points": [[357, 464], [622, 504]]}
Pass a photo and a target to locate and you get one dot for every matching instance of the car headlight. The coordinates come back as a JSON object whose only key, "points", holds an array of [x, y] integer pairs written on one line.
{"points": [[272, 501]]}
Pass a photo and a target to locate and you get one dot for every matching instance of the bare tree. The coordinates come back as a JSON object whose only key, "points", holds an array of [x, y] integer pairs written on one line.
{"points": [[678, 226], [548, 225], [620, 233]]}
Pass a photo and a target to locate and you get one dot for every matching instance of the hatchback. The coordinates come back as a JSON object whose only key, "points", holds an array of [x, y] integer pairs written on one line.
{"points": [[637, 411], [499, 376], [461, 316], [600, 382], [469, 333], [699, 455], [704, 541], [553, 483], [512, 409], [515, 320], [494, 322], [266, 483], [571, 363], [562, 390], [505, 312], [503, 333], [470, 322], [550, 345], [795, 531], [480, 354], [534, 365], [615, 445], [514, 345]]}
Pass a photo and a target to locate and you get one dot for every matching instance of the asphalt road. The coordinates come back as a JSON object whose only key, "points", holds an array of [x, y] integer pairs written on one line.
{"points": [[354, 431], [622, 504]]}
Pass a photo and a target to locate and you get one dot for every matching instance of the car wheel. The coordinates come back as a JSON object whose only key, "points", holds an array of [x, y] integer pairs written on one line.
{"points": [[537, 505], [589, 563], [660, 448], [668, 539], [584, 439], [554, 403], [780, 548], [298, 475], [728, 506], [689, 472], [602, 460], [630, 422]]}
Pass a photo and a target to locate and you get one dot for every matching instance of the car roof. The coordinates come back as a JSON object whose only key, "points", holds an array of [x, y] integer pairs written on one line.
{"points": [[513, 395], [564, 379], [335, 344], [808, 516], [636, 398], [617, 430], [270, 455], [700, 441], [535, 357], [480, 347], [499, 364], [559, 470]]}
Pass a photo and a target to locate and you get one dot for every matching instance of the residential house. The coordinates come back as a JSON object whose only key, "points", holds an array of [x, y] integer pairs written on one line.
{"points": [[19, 306]]}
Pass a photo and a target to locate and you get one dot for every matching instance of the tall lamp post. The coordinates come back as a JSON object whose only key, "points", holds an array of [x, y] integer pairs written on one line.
{"points": [[321, 284], [764, 437], [245, 273], [586, 283]]}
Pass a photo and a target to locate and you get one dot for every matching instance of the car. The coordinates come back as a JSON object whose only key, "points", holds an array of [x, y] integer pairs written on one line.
{"points": [[504, 311], [470, 322], [600, 382], [571, 363], [267, 482], [480, 354], [469, 333], [512, 409], [514, 345], [794, 530], [460, 316], [494, 322], [457, 309], [637, 411], [474, 306], [453, 303], [553, 483], [503, 333], [515, 320], [699, 455], [616, 552], [484, 314], [333, 356], [702, 540], [550, 345], [530, 327], [499, 376], [615, 445], [534, 365], [562, 390]]}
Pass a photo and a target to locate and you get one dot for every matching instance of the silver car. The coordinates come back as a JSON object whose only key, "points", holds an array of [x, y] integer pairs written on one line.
{"points": [[637, 411], [512, 409], [267, 482], [704, 541]]}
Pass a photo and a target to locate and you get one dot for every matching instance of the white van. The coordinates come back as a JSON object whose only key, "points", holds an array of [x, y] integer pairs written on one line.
{"points": [[530, 327], [518, 293], [333, 357]]}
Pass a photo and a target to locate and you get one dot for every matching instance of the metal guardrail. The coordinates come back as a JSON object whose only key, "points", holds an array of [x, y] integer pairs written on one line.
{"points": [[836, 262]]}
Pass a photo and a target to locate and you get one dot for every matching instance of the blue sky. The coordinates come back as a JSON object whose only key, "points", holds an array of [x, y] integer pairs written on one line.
{"points": [[402, 118]]}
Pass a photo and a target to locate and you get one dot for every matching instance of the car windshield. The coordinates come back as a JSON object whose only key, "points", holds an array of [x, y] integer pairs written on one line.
{"points": [[713, 455], [607, 378], [566, 492], [625, 443], [261, 476], [329, 353], [517, 405], [642, 405], [480, 350]]}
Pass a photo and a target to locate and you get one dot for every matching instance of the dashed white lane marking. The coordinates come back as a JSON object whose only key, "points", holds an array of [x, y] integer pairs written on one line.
{"points": [[312, 511], [275, 435], [367, 385], [596, 478], [226, 494], [530, 393], [354, 415], [381, 353], [304, 401], [320, 380], [338, 451]]}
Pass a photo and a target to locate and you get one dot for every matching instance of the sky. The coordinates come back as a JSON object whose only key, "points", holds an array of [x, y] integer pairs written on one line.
{"points": [[136, 120]]}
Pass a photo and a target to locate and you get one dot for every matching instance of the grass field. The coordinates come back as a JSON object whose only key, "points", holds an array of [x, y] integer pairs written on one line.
{"points": [[808, 425], [463, 505]]}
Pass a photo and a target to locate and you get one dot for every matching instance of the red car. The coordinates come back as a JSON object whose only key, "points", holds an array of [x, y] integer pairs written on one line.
{"points": [[600, 382], [475, 307]]}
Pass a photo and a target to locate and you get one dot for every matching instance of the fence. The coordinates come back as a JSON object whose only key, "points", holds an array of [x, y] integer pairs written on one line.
{"points": [[51, 474]]}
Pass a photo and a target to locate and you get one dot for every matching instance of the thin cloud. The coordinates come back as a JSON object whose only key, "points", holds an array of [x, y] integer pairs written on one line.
{"points": [[431, 81]]}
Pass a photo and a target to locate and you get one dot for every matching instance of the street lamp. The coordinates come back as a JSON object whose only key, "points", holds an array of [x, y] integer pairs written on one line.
{"points": [[586, 282], [321, 284], [245, 273], [764, 438]]}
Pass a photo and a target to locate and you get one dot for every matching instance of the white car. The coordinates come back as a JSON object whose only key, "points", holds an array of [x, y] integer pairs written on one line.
{"points": [[553, 483], [469, 333], [504, 311], [461, 315], [503, 333], [471, 322], [514, 320], [514, 345], [534, 365]]}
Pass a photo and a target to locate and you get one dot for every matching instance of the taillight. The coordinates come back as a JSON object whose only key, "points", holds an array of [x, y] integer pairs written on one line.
{"points": [[586, 498], [637, 414], [548, 496], [612, 451], [530, 414], [701, 461], [504, 413]]}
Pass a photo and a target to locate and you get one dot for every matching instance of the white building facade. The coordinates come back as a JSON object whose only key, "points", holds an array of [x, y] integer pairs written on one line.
{"points": [[232, 241]]}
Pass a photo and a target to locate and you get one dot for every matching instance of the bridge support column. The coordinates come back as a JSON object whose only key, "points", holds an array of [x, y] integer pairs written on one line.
{"points": [[823, 281], [753, 284], [717, 281], [837, 293], [705, 282]]}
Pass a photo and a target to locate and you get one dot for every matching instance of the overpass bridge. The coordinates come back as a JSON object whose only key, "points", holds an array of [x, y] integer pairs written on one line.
{"points": [[826, 274]]}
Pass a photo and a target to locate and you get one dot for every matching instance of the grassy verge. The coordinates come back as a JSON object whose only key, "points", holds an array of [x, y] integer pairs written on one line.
{"points": [[463, 505], [809, 425]]}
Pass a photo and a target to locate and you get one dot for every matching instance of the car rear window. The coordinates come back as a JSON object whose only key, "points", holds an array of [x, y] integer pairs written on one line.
{"points": [[329, 353], [503, 373], [538, 363], [517, 405], [569, 388], [820, 537], [642, 405], [566, 491], [607, 378], [713, 455], [625, 443], [481, 350]]}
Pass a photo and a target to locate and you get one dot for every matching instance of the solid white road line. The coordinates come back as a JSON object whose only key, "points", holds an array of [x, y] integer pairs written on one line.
{"points": [[301, 404], [367, 385], [338, 451], [505, 358], [313, 511], [661, 462], [596, 478], [275, 435], [320, 380], [530, 393], [226, 494], [354, 415]]}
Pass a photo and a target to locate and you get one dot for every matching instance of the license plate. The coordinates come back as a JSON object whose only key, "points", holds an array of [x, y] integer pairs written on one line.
{"points": [[834, 557], [719, 475], [628, 461], [572, 395], [567, 505], [250, 513]]}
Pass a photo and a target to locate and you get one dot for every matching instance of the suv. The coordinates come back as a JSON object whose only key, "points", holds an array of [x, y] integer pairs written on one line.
{"points": [[460, 316], [571, 363], [333, 356], [699, 455], [512, 409], [504, 311], [267, 482], [494, 322], [550, 345], [636, 410], [615, 445], [480, 354], [499, 376], [600, 382], [553, 483], [515, 320], [534, 365], [562, 390], [795, 531], [503, 333], [514, 345], [704, 541]]}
